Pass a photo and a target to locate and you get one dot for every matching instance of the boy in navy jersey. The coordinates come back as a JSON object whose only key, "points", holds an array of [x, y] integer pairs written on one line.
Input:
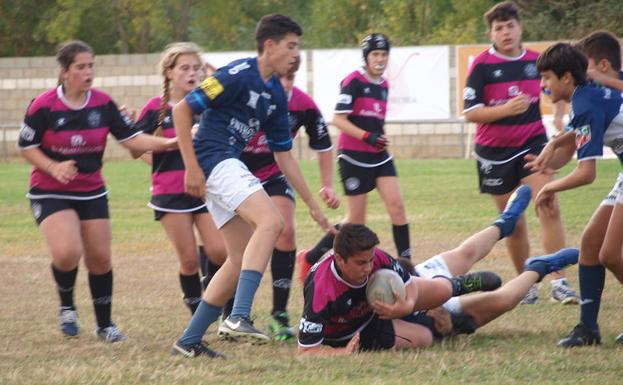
{"points": [[501, 95], [596, 120], [258, 157], [235, 102], [364, 162]]}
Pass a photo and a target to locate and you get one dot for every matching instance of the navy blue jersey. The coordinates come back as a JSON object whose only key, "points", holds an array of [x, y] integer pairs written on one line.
{"points": [[335, 310], [597, 119], [235, 104]]}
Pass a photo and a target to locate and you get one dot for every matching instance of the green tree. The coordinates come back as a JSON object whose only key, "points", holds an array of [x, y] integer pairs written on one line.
{"points": [[17, 24]]}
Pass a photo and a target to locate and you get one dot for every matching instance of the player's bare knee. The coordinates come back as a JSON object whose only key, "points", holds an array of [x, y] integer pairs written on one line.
{"points": [[396, 210], [503, 303], [609, 259], [422, 340], [189, 265], [218, 257], [467, 250], [589, 250], [287, 235], [271, 225], [67, 258]]}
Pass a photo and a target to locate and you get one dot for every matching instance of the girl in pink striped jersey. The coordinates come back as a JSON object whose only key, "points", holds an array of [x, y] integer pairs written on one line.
{"points": [[64, 136], [180, 67]]}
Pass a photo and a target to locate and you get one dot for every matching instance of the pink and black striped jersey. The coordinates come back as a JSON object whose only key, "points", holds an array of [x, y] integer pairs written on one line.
{"points": [[302, 112], [167, 175], [493, 80], [63, 132], [335, 310], [365, 103]]}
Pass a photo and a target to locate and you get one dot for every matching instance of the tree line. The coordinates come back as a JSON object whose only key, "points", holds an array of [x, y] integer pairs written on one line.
{"points": [[142, 26]]}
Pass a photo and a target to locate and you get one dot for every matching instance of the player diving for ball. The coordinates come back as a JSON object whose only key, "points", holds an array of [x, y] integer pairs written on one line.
{"points": [[337, 319]]}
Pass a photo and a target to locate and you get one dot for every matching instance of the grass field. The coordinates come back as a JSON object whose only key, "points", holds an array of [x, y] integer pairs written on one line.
{"points": [[443, 206]]}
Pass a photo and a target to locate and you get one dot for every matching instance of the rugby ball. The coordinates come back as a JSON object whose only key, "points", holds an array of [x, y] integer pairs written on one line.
{"points": [[382, 283]]}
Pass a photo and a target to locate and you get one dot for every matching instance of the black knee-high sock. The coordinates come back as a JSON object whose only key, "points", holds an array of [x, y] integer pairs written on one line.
{"points": [[65, 282], [203, 260], [191, 287], [402, 241], [229, 306], [212, 268], [101, 292], [282, 268], [325, 244]]}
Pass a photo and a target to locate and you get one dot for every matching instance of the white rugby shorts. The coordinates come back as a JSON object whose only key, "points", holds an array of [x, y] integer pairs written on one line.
{"points": [[228, 185], [436, 266], [616, 195]]}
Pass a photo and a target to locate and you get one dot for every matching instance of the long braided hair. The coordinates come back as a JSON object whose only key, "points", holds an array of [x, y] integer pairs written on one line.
{"points": [[167, 62]]}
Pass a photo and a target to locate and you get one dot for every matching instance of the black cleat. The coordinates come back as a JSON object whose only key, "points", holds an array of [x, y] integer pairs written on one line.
{"points": [[581, 336], [195, 350], [478, 281]]}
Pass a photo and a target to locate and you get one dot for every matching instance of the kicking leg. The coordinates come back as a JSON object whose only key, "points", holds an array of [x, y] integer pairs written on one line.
{"points": [[485, 307], [221, 286], [461, 259]]}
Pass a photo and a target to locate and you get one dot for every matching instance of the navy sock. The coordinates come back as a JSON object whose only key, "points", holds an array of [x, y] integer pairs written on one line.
{"points": [[592, 279], [325, 244], [191, 287], [402, 241], [541, 268], [65, 281], [101, 292], [203, 260], [282, 269], [245, 292], [204, 316]]}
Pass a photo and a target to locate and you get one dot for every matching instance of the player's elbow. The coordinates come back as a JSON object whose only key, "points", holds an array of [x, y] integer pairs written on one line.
{"points": [[475, 116], [587, 172]]}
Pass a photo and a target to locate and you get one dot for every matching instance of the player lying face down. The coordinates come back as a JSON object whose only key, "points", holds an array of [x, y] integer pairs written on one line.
{"points": [[337, 317]]}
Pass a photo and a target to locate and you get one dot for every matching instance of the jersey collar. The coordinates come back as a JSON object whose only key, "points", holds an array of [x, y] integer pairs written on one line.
{"points": [[337, 276], [61, 96], [495, 52]]}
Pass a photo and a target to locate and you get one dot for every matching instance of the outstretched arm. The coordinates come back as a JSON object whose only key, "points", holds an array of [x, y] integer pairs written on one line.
{"points": [[290, 167], [584, 173], [557, 153], [325, 164]]}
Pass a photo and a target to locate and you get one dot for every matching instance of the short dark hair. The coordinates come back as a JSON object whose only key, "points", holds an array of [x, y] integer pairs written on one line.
{"points": [[503, 11], [601, 45], [274, 27], [352, 239], [561, 58]]}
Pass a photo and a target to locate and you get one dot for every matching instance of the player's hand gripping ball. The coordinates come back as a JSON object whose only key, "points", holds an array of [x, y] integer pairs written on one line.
{"points": [[382, 284]]}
